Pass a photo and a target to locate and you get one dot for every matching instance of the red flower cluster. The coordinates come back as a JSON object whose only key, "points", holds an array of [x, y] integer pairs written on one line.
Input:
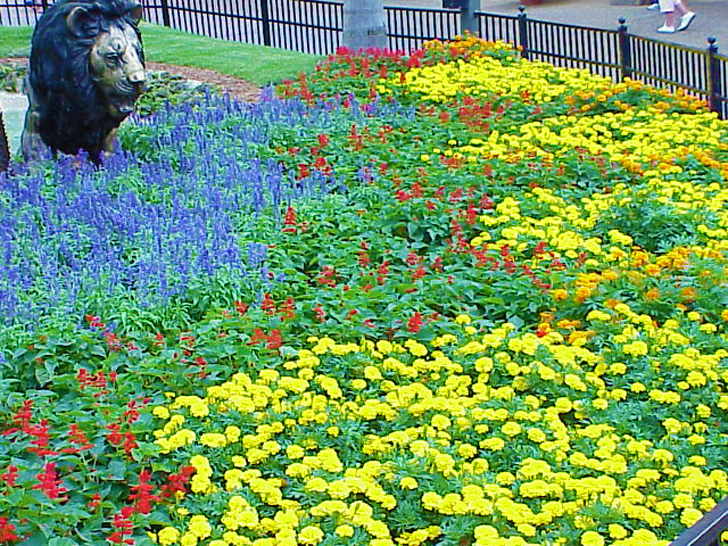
{"points": [[50, 483], [273, 340], [7, 531]]}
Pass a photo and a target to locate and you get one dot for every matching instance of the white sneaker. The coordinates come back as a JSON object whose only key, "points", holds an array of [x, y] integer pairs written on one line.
{"points": [[653, 6], [686, 20], [666, 29]]}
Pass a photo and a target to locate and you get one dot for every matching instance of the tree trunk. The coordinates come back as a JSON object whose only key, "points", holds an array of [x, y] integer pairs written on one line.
{"points": [[364, 24]]}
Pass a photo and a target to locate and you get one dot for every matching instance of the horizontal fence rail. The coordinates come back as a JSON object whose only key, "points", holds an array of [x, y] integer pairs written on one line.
{"points": [[707, 531], [316, 26]]}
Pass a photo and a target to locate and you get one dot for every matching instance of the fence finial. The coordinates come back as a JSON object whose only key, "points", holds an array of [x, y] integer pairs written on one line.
{"points": [[521, 8]]}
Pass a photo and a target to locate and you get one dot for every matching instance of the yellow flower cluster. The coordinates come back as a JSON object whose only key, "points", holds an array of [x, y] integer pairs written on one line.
{"points": [[633, 136], [499, 426], [486, 76]]}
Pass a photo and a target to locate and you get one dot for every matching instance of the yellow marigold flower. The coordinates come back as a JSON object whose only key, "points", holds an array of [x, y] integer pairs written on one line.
{"points": [[505, 478], [213, 439], [636, 348], [408, 482], [295, 451], [511, 428], [592, 538], [168, 536], [536, 435], [493, 444], [161, 412], [463, 319], [358, 384], [310, 535], [617, 531], [441, 422], [188, 539], [317, 484], [563, 405], [344, 531], [372, 373], [199, 526], [690, 516]]}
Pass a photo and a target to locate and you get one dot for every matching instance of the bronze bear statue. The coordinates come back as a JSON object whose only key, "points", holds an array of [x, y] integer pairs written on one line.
{"points": [[86, 71]]}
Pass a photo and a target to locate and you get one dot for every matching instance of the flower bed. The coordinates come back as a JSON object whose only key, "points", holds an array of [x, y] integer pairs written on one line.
{"points": [[476, 310]]}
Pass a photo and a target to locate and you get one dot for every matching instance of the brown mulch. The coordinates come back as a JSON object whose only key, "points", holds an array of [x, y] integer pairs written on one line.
{"points": [[239, 89]]}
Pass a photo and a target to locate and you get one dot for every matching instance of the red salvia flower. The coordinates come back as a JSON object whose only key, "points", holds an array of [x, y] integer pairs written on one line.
{"points": [[115, 437], [414, 323], [50, 483], [10, 476], [95, 502], [319, 312], [77, 436], [268, 305], [177, 482], [7, 531], [129, 442], [290, 221], [419, 273], [323, 140], [24, 415], [288, 309], [142, 495], [275, 340]]}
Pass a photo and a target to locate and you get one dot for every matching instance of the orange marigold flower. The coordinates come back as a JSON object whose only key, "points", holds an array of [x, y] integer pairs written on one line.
{"points": [[611, 303], [582, 293], [652, 294], [689, 293], [724, 315], [652, 270]]}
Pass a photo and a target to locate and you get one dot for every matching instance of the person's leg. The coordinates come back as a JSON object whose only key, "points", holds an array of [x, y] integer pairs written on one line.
{"points": [[686, 14], [667, 7]]}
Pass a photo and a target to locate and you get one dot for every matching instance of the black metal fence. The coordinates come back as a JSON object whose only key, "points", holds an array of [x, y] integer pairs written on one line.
{"points": [[315, 26]]}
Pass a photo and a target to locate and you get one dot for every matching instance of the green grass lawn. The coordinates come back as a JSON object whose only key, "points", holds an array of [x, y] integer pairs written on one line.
{"points": [[258, 64]]}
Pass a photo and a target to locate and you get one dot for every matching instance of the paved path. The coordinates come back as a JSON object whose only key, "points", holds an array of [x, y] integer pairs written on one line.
{"points": [[13, 106], [712, 18]]}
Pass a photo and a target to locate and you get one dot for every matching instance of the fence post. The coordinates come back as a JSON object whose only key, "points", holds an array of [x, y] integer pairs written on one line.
{"points": [[625, 52], [468, 21], [523, 31], [165, 12], [714, 90], [265, 19]]}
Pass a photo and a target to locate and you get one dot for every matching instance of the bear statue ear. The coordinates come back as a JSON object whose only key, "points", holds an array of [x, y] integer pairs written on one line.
{"points": [[136, 14], [82, 23]]}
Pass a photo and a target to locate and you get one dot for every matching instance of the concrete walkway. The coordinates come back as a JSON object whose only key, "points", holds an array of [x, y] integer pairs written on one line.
{"points": [[13, 106], [711, 20]]}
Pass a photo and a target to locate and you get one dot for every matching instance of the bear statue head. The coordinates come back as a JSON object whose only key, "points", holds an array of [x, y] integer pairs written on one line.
{"points": [[86, 72]]}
